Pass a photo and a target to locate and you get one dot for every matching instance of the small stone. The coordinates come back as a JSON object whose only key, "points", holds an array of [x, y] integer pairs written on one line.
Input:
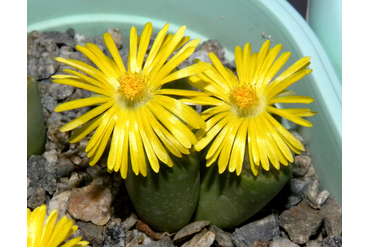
{"points": [[263, 229], [189, 230], [60, 91], [261, 243], [91, 203], [42, 67], [91, 233], [74, 180], [164, 242], [322, 197], [116, 35], [282, 242], [28, 182], [48, 103], [215, 47], [60, 38], [36, 198], [116, 231], [301, 165], [332, 241], [71, 32], [314, 243], [301, 222], [332, 212], [203, 239], [81, 39], [60, 203], [312, 193], [222, 238], [41, 173]]}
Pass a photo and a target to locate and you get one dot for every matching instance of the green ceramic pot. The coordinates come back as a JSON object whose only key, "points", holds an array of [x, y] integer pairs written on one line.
{"points": [[35, 119], [166, 200], [227, 200]]}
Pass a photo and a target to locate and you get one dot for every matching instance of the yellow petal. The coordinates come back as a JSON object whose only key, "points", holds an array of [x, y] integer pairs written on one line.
{"points": [[214, 126], [238, 150], [238, 55], [261, 57], [253, 144], [205, 83], [148, 66], [284, 153], [74, 104], [288, 115], [114, 52], [86, 79], [35, 226], [166, 52], [277, 65], [60, 231], [100, 61], [87, 116], [245, 65], [115, 152], [137, 155], [102, 143], [185, 72], [180, 92], [284, 133], [173, 124], [221, 135], [221, 69], [273, 89], [144, 42], [202, 101], [171, 143], [72, 242], [263, 71], [86, 129], [131, 64], [229, 142], [179, 109], [250, 70], [100, 131], [48, 228], [79, 84], [292, 99]]}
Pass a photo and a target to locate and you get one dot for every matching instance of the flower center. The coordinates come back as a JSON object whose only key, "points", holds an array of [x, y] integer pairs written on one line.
{"points": [[132, 88], [246, 100]]}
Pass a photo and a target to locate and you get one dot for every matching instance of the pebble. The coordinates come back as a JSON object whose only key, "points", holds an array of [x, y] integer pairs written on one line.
{"points": [[215, 47], [60, 92], [301, 165], [186, 233], [264, 229], [301, 222], [41, 173], [332, 212], [91, 232], [91, 203], [223, 239], [60, 203], [203, 239], [116, 35], [282, 242], [110, 222]]}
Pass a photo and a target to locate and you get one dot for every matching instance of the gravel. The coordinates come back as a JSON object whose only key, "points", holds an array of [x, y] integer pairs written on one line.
{"points": [[300, 215]]}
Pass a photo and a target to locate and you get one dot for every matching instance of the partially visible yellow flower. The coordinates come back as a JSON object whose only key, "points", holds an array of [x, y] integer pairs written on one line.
{"points": [[48, 235], [241, 119], [145, 122]]}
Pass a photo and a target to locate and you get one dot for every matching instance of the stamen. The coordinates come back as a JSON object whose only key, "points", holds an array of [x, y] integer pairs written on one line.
{"points": [[132, 88]]}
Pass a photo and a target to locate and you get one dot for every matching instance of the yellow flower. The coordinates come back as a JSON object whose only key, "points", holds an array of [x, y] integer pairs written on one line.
{"points": [[240, 120], [145, 122], [40, 235]]}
